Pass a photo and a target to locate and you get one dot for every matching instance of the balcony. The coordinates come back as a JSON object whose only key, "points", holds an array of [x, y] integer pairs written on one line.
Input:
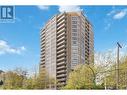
{"points": [[61, 27], [60, 18], [42, 53], [42, 62], [60, 84], [61, 63], [61, 55], [60, 36], [42, 35], [87, 50], [61, 47], [43, 56], [61, 51], [42, 46], [42, 39], [62, 80], [42, 65], [61, 76], [42, 32], [63, 21], [42, 43], [60, 15], [61, 59], [60, 43], [61, 67], [61, 72], [61, 39], [58, 32], [42, 49], [42, 59]]}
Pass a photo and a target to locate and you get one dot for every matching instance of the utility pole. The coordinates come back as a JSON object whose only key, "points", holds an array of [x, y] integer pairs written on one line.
{"points": [[117, 68]]}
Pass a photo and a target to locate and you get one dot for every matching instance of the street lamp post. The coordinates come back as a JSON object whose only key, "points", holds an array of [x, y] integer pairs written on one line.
{"points": [[117, 68]]}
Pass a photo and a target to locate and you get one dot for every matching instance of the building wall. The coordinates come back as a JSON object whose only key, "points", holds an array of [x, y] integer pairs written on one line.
{"points": [[75, 41], [61, 50], [66, 41], [48, 51], [50, 48]]}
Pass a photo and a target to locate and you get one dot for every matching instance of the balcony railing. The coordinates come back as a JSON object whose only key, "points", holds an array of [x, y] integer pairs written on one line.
{"points": [[58, 32], [62, 80], [60, 39], [61, 72], [61, 67], [59, 59], [61, 51], [60, 63], [61, 75], [61, 27], [60, 43], [59, 19], [63, 21]]}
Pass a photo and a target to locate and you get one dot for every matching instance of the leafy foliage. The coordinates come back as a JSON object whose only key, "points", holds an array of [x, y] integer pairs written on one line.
{"points": [[111, 75], [82, 77], [13, 80], [18, 79]]}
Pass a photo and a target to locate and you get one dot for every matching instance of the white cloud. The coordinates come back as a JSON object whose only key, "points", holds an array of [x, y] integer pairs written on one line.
{"points": [[6, 48], [107, 26], [43, 7], [117, 14], [71, 8], [111, 13], [120, 14], [23, 48]]}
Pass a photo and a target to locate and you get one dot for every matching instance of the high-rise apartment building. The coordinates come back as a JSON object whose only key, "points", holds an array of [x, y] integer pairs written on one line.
{"points": [[66, 41]]}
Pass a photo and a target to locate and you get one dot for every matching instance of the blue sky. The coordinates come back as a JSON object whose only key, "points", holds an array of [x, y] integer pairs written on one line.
{"points": [[20, 41]]}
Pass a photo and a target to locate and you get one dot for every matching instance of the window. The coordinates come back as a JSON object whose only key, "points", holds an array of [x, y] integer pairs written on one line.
{"points": [[74, 26], [74, 30], [74, 34], [74, 18], [74, 22], [74, 38], [74, 42]]}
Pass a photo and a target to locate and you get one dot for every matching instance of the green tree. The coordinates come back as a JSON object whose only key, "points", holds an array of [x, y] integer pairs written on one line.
{"points": [[34, 83], [82, 77], [14, 79], [111, 75]]}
